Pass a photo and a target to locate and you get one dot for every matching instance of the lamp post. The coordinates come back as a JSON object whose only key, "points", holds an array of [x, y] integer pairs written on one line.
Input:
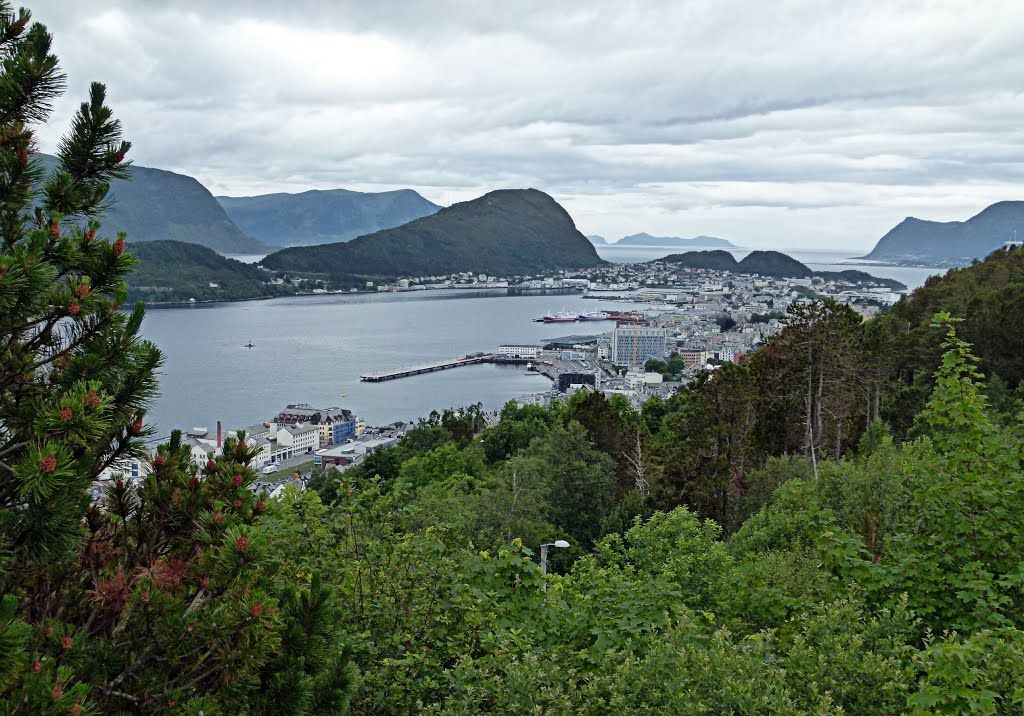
{"points": [[561, 544]]}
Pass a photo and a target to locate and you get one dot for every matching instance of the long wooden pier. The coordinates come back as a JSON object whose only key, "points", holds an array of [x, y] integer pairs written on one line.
{"points": [[425, 368]]}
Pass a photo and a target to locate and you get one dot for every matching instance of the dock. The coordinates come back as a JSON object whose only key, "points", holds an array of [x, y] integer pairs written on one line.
{"points": [[426, 368]]}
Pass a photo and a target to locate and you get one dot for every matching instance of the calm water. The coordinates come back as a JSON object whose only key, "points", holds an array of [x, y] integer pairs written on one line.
{"points": [[312, 349], [912, 276]]}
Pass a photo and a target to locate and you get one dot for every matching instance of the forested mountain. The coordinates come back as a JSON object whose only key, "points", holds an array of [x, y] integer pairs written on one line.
{"points": [[917, 239], [514, 231], [643, 239], [170, 271], [323, 216], [157, 205]]}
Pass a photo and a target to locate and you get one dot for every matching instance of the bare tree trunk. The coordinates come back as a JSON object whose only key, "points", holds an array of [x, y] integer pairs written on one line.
{"points": [[636, 463]]}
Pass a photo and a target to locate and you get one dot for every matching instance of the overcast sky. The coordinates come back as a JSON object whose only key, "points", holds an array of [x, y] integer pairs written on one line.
{"points": [[775, 124]]}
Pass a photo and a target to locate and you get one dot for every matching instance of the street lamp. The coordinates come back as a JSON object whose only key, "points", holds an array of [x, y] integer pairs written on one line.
{"points": [[561, 544]]}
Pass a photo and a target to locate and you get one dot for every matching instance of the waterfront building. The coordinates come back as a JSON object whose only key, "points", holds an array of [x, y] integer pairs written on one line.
{"points": [[520, 351], [335, 425], [635, 344]]}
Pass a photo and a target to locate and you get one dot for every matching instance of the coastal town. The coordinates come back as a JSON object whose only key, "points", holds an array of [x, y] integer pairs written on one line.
{"points": [[683, 321], [296, 440]]}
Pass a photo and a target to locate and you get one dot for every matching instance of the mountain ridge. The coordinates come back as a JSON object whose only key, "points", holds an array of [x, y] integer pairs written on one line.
{"points": [[161, 205], [323, 216], [645, 239], [920, 239]]}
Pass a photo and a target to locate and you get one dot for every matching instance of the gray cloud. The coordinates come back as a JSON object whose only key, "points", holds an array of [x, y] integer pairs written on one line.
{"points": [[803, 123]]}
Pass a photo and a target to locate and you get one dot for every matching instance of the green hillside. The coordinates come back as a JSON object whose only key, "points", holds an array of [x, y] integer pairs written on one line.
{"points": [[507, 232], [323, 217], [988, 295], [774, 264], [171, 271], [716, 260]]}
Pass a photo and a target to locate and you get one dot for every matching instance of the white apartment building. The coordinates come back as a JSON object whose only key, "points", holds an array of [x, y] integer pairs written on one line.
{"points": [[516, 351], [300, 438]]}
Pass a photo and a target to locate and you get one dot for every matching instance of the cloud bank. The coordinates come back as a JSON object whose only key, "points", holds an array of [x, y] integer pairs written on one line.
{"points": [[793, 124]]}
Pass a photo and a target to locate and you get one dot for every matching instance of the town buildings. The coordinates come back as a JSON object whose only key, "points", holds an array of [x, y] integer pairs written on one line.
{"points": [[635, 344], [335, 425]]}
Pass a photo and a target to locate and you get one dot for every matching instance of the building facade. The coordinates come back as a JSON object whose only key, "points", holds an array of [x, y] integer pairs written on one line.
{"points": [[300, 438], [634, 345], [517, 351], [335, 425]]}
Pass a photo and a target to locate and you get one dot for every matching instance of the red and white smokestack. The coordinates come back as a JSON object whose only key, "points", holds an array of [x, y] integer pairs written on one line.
{"points": [[219, 436]]}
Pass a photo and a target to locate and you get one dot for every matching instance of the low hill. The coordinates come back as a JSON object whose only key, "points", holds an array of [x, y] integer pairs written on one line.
{"points": [[173, 271], [916, 239], [157, 205], [507, 232], [773, 264], [643, 239], [597, 240], [716, 260], [764, 263], [323, 217]]}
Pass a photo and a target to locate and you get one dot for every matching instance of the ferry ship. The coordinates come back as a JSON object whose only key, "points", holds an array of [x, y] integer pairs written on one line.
{"points": [[561, 317]]}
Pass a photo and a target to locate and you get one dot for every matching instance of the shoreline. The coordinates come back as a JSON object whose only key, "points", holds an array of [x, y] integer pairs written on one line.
{"points": [[464, 290]]}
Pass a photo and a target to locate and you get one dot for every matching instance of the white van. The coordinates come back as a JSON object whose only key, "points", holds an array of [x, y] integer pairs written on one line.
{"points": [[269, 469]]}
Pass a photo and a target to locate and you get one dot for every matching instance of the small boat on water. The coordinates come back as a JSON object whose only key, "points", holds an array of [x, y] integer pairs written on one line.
{"points": [[249, 345]]}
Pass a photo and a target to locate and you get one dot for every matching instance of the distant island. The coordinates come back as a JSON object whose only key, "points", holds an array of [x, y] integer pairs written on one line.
{"points": [[323, 216], [506, 232], [643, 239], [773, 264], [597, 240], [916, 240], [158, 205], [175, 272]]}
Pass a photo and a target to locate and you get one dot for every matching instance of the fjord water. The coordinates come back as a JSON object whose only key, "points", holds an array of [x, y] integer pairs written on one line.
{"points": [[314, 348]]}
